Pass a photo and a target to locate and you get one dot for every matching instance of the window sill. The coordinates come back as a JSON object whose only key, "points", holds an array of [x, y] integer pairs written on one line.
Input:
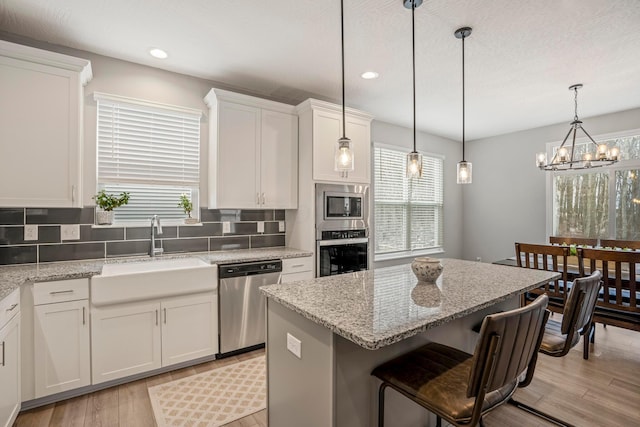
{"points": [[407, 254], [145, 224]]}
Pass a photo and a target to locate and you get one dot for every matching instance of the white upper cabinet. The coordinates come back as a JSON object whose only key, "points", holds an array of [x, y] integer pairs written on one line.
{"points": [[253, 152], [41, 126], [325, 128]]}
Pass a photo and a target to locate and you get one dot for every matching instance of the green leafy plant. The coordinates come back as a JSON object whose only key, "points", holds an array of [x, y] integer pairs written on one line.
{"points": [[109, 202], [185, 204]]}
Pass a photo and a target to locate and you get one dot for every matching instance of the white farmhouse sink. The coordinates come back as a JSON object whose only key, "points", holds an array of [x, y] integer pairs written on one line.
{"points": [[151, 279]]}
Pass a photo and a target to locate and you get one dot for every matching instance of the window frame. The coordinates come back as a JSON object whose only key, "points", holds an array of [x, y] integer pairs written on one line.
{"points": [[623, 164], [162, 109], [406, 253]]}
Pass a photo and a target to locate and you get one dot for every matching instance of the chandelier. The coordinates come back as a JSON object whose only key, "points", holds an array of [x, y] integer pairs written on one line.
{"points": [[565, 158]]}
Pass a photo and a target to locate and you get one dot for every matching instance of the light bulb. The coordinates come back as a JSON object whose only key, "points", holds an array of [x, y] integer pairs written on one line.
{"points": [[343, 156], [464, 172], [587, 159], [414, 165], [602, 151], [563, 154], [614, 153], [541, 160]]}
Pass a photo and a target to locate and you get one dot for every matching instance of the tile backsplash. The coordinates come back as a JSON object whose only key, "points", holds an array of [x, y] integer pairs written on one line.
{"points": [[105, 242]]}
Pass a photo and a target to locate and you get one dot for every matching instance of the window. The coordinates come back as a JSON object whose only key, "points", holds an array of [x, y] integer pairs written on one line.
{"points": [[150, 150], [603, 202], [408, 212]]}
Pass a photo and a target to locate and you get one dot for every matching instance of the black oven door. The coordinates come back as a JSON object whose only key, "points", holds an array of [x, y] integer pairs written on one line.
{"points": [[342, 256]]}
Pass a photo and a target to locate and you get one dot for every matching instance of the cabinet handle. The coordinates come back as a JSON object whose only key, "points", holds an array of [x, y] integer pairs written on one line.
{"points": [[12, 307], [73, 193], [83, 316], [3, 361], [264, 199], [257, 198], [156, 317], [165, 316], [297, 265], [68, 291]]}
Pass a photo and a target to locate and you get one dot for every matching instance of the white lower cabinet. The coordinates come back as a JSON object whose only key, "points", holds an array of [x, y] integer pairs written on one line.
{"points": [[133, 338], [61, 344], [294, 269], [9, 364]]}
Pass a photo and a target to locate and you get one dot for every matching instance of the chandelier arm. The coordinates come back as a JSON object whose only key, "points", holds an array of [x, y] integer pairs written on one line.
{"points": [[573, 146], [555, 156]]}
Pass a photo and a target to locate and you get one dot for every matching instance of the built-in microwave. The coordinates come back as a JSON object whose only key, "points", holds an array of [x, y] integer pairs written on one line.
{"points": [[341, 207]]}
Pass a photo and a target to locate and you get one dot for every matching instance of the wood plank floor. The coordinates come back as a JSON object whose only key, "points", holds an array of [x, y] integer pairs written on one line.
{"points": [[600, 392]]}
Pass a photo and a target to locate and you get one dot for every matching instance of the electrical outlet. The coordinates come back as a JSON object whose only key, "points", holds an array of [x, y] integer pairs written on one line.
{"points": [[281, 226], [260, 226], [226, 227], [30, 232], [294, 345], [70, 232]]}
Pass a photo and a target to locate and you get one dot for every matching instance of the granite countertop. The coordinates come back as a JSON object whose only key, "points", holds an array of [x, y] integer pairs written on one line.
{"points": [[11, 277], [379, 307]]}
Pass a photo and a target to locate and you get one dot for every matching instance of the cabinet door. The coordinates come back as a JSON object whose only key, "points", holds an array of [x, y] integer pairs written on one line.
{"points": [[10, 372], [279, 160], [125, 340], [327, 128], [61, 333], [360, 133], [40, 130], [238, 153], [294, 277], [189, 328]]}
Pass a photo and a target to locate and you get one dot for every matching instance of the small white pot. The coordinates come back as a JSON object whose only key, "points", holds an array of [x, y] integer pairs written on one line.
{"points": [[427, 270], [191, 220], [104, 217]]}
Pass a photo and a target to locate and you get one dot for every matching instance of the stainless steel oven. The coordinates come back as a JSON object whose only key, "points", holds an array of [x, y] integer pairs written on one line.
{"points": [[341, 207], [342, 252]]}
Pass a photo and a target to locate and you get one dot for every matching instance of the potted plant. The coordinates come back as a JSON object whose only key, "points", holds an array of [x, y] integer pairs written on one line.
{"points": [[108, 202], [187, 207]]}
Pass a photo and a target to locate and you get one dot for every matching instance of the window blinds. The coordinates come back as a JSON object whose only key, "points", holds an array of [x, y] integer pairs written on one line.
{"points": [[151, 152], [408, 212]]}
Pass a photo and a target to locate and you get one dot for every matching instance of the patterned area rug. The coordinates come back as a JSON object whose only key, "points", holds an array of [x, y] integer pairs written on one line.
{"points": [[213, 398]]}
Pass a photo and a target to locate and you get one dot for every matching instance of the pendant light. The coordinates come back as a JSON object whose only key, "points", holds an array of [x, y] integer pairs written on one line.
{"points": [[464, 167], [563, 160], [414, 159], [343, 154]]}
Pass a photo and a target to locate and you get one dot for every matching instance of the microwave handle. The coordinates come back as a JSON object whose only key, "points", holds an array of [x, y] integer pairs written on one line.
{"points": [[342, 241]]}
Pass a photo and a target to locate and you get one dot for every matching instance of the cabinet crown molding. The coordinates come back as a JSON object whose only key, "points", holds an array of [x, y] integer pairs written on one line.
{"points": [[215, 95], [316, 104], [45, 57]]}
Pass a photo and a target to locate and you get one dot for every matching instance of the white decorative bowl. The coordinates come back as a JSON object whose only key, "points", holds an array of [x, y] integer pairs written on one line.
{"points": [[426, 269]]}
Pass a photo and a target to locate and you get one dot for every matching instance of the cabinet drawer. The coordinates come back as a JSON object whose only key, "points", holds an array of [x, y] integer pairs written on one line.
{"points": [[9, 306], [294, 277], [295, 265], [60, 291]]}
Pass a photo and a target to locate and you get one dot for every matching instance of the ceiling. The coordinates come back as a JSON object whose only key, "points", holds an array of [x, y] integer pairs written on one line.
{"points": [[520, 59]]}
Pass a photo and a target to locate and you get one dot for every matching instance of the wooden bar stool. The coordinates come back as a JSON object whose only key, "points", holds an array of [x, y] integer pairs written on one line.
{"points": [[461, 387]]}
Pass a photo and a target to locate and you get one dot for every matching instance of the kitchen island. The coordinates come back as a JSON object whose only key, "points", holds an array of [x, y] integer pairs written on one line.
{"points": [[343, 326]]}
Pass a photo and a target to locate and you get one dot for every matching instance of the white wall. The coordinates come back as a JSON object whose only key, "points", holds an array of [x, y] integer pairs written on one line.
{"points": [[389, 134], [506, 202]]}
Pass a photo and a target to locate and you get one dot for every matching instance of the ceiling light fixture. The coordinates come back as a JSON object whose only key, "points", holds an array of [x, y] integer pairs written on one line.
{"points": [[343, 155], [158, 53], [564, 160], [414, 159], [464, 168], [368, 75]]}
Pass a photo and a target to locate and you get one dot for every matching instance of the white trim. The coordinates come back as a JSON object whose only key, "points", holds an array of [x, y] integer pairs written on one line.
{"points": [[100, 96], [316, 104], [216, 95]]}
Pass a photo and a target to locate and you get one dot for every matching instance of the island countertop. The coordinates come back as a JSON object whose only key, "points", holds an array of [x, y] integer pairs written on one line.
{"points": [[383, 306]]}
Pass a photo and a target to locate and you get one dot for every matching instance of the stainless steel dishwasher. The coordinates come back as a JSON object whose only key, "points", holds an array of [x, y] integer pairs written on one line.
{"points": [[241, 305]]}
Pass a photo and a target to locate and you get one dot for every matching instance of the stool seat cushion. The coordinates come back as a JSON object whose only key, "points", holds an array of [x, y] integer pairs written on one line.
{"points": [[437, 376], [554, 340]]}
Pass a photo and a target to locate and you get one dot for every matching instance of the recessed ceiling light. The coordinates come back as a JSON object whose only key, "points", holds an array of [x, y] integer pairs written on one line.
{"points": [[369, 75], [158, 53]]}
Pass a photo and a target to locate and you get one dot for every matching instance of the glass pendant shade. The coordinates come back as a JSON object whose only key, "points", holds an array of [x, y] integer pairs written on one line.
{"points": [[414, 165], [343, 156], [464, 172]]}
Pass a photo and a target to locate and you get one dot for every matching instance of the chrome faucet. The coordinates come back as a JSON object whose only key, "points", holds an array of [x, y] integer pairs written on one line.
{"points": [[155, 222]]}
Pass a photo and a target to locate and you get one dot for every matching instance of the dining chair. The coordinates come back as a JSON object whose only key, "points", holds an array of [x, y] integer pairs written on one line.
{"points": [[550, 258], [578, 241], [460, 387], [620, 244], [577, 319], [619, 300]]}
